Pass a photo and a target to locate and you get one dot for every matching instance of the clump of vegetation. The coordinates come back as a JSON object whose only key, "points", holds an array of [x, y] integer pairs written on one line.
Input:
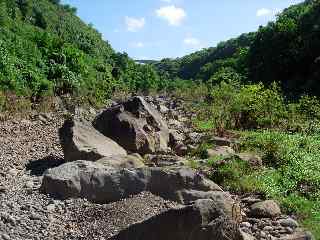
{"points": [[294, 59], [47, 50], [233, 105]]}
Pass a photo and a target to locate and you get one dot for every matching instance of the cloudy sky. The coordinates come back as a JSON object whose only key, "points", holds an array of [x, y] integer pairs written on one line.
{"points": [[154, 29]]}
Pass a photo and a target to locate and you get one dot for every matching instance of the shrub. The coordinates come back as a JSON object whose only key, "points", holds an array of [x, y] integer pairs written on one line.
{"points": [[229, 174], [246, 106]]}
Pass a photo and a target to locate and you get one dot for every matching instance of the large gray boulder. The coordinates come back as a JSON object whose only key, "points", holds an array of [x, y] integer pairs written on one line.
{"points": [[203, 220], [265, 209], [101, 184], [80, 141], [134, 125]]}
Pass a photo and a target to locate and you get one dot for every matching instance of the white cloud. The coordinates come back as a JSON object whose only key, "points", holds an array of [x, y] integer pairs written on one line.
{"points": [[172, 14], [194, 42], [134, 24], [167, 1], [137, 44], [264, 12]]}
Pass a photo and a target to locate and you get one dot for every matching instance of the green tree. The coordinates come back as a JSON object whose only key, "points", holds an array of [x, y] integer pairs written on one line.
{"points": [[3, 13]]}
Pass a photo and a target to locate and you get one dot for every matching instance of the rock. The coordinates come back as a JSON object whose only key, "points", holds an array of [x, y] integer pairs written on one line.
{"points": [[253, 159], [246, 225], [129, 161], [5, 236], [250, 200], [246, 236], [222, 151], [13, 172], [268, 209], [51, 207], [203, 220], [181, 150], [195, 138], [163, 160], [267, 228], [80, 141], [300, 235], [175, 137], [219, 141], [134, 125], [289, 230], [103, 185], [175, 124], [163, 109], [222, 200], [289, 222]]}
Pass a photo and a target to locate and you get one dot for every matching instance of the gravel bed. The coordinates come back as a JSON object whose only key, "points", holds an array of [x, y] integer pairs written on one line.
{"points": [[27, 149]]}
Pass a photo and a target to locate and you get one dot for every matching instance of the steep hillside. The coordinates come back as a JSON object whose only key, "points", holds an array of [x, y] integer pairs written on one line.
{"points": [[47, 49], [286, 50]]}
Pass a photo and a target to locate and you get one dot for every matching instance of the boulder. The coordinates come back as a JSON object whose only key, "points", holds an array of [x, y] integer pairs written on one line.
{"points": [[181, 150], [129, 161], [93, 181], [254, 160], [80, 141], [265, 209], [222, 199], [101, 184], [175, 137], [203, 220], [134, 125], [221, 151], [288, 222]]}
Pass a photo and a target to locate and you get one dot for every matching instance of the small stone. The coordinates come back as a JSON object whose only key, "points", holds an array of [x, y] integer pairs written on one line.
{"points": [[29, 185], [263, 234], [13, 172], [51, 207], [5, 236], [289, 230], [246, 225], [3, 189], [35, 216], [267, 228]]}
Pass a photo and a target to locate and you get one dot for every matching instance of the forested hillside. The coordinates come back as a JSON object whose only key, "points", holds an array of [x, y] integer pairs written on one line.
{"points": [[285, 51], [47, 50]]}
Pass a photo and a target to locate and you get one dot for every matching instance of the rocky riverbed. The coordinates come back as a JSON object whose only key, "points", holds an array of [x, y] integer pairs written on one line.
{"points": [[29, 147]]}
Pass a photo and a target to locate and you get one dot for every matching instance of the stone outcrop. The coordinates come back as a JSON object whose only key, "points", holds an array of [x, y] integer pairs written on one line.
{"points": [[80, 141], [134, 125], [102, 184]]}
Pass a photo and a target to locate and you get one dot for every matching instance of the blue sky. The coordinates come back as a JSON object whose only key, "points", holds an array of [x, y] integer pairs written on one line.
{"points": [[154, 29]]}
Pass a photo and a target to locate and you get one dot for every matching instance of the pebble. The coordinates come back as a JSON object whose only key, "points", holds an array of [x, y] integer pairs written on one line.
{"points": [[5, 236], [51, 207], [267, 228], [245, 225]]}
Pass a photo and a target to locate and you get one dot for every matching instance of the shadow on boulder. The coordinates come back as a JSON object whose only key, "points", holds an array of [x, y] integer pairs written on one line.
{"points": [[38, 167]]}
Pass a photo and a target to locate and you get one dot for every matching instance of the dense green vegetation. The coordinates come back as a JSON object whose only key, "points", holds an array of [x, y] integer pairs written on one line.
{"points": [[47, 50], [285, 135], [285, 51], [259, 86]]}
